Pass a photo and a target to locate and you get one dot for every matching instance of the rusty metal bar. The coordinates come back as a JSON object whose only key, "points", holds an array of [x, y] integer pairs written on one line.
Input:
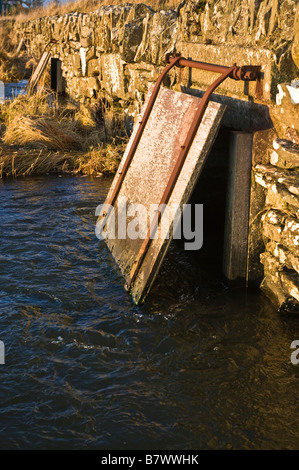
{"points": [[175, 174], [246, 72]]}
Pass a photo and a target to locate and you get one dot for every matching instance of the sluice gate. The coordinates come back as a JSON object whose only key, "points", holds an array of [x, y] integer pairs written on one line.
{"points": [[162, 163]]}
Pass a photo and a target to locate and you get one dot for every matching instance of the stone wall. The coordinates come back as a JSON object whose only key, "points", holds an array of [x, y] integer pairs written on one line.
{"points": [[119, 50], [116, 52], [279, 178]]}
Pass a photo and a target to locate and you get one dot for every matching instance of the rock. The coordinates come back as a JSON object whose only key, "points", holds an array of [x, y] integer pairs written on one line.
{"points": [[295, 45], [93, 67], [190, 20], [285, 154], [85, 42], [280, 198], [76, 61], [290, 283], [241, 22], [113, 79], [131, 40], [262, 141], [285, 257], [91, 53], [283, 301], [159, 37], [86, 32], [110, 21], [285, 114], [282, 229], [269, 174]]}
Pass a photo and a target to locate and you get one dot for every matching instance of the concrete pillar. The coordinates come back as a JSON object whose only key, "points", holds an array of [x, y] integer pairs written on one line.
{"points": [[237, 208], [56, 75]]}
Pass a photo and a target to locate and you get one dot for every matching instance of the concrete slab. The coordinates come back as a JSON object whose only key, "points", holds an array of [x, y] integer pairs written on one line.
{"points": [[237, 208]]}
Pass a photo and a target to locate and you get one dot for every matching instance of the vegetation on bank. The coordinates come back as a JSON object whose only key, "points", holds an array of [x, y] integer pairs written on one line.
{"points": [[54, 7], [13, 66], [40, 135]]}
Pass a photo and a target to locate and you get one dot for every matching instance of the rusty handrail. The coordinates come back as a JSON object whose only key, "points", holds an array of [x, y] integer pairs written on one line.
{"points": [[245, 72]]}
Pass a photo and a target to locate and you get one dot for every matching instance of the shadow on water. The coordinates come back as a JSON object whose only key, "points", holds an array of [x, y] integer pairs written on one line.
{"points": [[196, 367]]}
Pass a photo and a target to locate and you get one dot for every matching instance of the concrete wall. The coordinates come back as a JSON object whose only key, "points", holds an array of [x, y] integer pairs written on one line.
{"points": [[116, 52]]}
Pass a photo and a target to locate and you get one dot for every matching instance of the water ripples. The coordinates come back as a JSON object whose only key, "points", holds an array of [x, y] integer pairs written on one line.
{"points": [[197, 366]]}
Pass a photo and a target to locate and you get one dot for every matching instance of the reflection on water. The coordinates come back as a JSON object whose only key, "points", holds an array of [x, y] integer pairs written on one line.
{"points": [[196, 367]]}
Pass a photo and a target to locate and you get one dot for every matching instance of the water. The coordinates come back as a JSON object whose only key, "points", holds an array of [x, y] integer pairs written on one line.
{"points": [[12, 90], [197, 367]]}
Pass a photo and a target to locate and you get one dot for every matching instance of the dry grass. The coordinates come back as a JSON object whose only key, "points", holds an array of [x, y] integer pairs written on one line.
{"points": [[86, 6], [12, 68], [18, 162], [39, 121], [7, 36], [43, 133], [40, 136]]}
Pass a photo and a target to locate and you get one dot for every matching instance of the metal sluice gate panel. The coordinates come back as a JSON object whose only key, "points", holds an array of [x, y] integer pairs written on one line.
{"points": [[161, 165]]}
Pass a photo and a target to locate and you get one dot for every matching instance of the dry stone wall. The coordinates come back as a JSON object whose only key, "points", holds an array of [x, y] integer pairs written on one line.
{"points": [[116, 52], [279, 178]]}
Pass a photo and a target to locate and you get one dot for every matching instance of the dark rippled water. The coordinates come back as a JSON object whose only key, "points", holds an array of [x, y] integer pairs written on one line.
{"points": [[197, 367]]}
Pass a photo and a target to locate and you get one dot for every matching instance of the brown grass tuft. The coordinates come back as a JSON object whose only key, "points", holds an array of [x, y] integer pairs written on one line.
{"points": [[40, 136], [43, 133], [12, 68]]}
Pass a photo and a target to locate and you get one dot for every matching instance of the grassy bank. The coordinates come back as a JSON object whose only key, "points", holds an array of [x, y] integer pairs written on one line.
{"points": [[13, 67], [40, 135]]}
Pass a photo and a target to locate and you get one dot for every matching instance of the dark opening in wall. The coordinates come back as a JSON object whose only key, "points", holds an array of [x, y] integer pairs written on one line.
{"points": [[211, 191], [223, 188], [57, 81]]}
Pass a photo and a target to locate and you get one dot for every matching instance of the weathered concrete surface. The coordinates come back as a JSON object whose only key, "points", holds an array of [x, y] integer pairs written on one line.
{"points": [[247, 116], [284, 154], [149, 173]]}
